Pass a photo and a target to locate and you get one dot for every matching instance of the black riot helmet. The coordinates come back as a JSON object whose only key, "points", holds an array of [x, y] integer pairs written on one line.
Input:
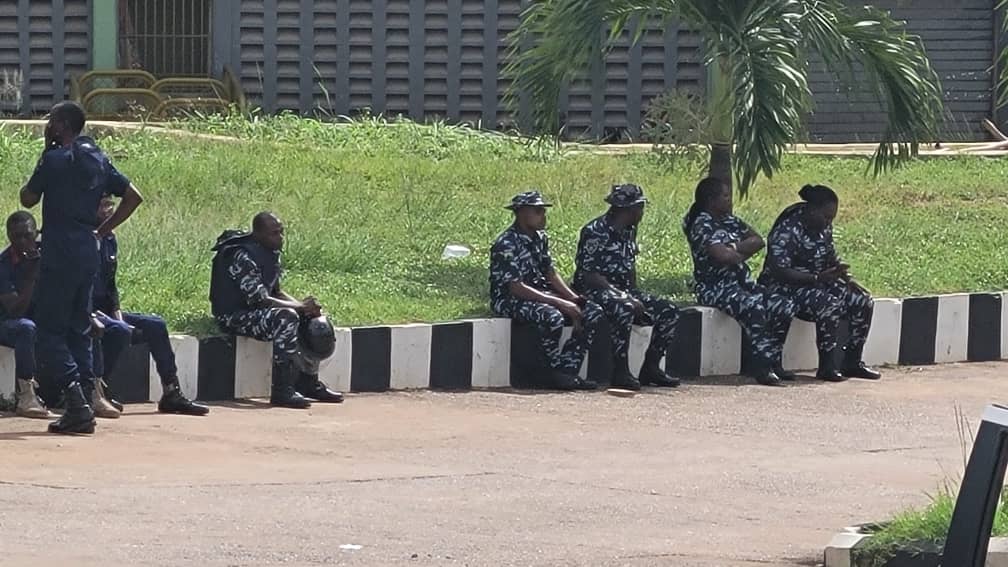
{"points": [[317, 338]]}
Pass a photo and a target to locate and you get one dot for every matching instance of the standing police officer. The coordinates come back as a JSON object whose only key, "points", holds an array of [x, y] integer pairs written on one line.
{"points": [[720, 244], [70, 179], [607, 273], [121, 328], [525, 287], [803, 263], [246, 300]]}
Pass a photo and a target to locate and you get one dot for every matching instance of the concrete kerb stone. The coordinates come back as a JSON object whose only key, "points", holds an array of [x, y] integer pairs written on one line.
{"points": [[840, 550], [477, 353]]}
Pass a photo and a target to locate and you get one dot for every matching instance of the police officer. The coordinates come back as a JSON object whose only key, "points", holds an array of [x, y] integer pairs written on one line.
{"points": [[525, 287], [19, 267], [802, 263], [120, 329], [720, 244], [607, 274], [70, 179], [246, 299]]}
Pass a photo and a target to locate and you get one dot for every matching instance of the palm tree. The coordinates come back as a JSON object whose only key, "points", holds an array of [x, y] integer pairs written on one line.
{"points": [[757, 52]]}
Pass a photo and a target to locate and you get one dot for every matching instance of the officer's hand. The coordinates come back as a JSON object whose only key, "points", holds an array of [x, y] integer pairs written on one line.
{"points": [[312, 308], [831, 274], [639, 308], [571, 310], [97, 329]]}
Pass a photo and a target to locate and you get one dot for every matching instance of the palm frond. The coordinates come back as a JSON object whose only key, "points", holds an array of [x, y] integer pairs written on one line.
{"points": [[558, 40], [896, 66], [759, 52]]}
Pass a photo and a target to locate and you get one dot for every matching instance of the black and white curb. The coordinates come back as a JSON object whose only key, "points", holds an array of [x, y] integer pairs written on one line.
{"points": [[842, 548], [494, 353]]}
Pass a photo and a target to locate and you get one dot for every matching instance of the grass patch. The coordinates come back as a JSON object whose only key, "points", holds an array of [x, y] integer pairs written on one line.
{"points": [[919, 527], [369, 207]]}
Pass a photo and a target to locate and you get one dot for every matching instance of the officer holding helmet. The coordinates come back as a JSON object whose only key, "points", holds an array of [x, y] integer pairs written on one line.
{"points": [[246, 299]]}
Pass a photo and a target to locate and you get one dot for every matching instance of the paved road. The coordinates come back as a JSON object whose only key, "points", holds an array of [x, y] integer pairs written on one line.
{"points": [[717, 474]]}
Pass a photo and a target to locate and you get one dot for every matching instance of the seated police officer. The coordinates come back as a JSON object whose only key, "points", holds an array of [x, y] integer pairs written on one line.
{"points": [[607, 274], [120, 329], [246, 300], [19, 268], [525, 287]]}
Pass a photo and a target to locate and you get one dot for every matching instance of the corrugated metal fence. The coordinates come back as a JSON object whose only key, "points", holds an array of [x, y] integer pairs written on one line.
{"points": [[41, 44], [430, 59], [442, 59]]}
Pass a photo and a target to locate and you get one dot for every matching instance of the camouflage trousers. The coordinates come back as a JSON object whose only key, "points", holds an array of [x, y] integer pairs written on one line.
{"points": [[550, 323], [659, 312], [827, 304], [763, 315], [276, 325]]}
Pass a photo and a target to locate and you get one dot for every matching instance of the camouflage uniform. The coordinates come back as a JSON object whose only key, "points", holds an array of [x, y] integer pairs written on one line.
{"points": [[519, 257], [273, 324], [763, 315], [612, 253], [792, 245]]}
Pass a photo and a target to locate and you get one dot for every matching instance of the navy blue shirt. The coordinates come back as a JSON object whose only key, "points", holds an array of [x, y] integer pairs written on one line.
{"points": [[71, 182], [105, 294], [13, 271]]}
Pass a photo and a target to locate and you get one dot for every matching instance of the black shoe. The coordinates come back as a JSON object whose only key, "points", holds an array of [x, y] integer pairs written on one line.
{"points": [[172, 401], [564, 381], [625, 380], [785, 375], [854, 367], [78, 417], [827, 367], [282, 393], [585, 384], [654, 376], [311, 387], [765, 376]]}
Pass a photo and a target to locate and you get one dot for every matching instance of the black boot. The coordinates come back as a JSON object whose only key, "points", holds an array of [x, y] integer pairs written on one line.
{"points": [[785, 375], [653, 375], [586, 384], [622, 378], [78, 417], [172, 401], [311, 387], [763, 373], [854, 367], [283, 393], [563, 381], [827, 367]]}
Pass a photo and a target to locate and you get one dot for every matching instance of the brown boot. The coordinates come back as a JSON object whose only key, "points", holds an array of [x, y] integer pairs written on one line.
{"points": [[100, 405], [28, 404]]}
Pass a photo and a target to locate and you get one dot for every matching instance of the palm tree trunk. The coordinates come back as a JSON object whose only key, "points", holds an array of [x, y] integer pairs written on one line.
{"points": [[720, 100], [720, 166]]}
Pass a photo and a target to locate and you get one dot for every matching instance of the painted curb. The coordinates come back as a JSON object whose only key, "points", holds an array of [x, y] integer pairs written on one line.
{"points": [[494, 353], [839, 551]]}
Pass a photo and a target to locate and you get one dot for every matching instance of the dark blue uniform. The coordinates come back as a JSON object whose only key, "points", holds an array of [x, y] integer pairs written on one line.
{"points": [[612, 253], [792, 245], [18, 333], [764, 316], [151, 329], [519, 257], [71, 182]]}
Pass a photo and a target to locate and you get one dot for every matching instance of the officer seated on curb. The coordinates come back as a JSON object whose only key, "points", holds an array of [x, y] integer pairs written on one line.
{"points": [[607, 274], [525, 287], [121, 329], [19, 268], [246, 300]]}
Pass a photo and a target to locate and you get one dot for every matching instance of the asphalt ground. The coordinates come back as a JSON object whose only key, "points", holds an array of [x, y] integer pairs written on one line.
{"points": [[720, 473]]}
